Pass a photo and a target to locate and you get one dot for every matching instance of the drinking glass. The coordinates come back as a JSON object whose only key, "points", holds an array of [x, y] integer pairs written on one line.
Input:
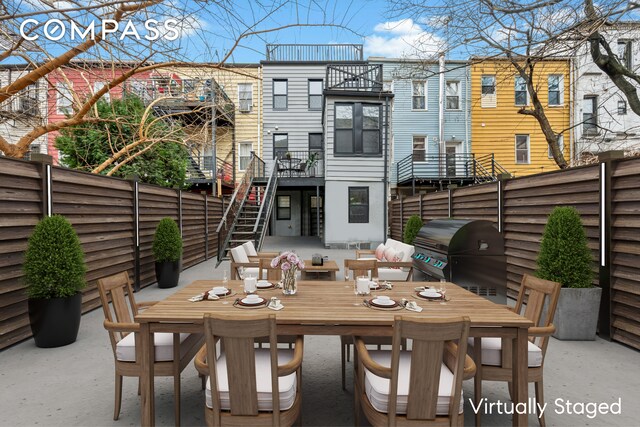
{"points": [[225, 280], [442, 288]]}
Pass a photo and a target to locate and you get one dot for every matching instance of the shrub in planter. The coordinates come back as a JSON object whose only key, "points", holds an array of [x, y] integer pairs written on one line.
{"points": [[167, 251], [54, 274], [411, 229], [565, 258]]}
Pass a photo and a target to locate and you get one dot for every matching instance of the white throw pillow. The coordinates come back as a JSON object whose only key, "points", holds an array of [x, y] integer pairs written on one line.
{"points": [[389, 254], [380, 252]]}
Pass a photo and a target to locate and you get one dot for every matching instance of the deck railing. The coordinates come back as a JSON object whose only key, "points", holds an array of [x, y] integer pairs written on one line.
{"points": [[314, 52], [354, 77], [200, 169], [300, 164], [449, 166]]}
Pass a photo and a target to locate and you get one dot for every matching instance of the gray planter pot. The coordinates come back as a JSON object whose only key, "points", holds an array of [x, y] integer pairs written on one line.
{"points": [[576, 316]]}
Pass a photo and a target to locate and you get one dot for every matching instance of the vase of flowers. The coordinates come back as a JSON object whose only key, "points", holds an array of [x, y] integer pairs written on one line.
{"points": [[289, 263]]}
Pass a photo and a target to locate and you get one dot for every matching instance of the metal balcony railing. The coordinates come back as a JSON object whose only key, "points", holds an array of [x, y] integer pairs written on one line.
{"points": [[419, 166], [314, 52], [200, 169], [25, 102], [300, 164], [354, 77]]}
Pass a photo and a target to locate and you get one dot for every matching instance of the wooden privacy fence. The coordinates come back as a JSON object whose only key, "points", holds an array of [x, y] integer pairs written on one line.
{"points": [[115, 220], [606, 194]]}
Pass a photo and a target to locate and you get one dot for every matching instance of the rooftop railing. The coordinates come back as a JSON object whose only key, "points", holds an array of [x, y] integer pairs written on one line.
{"points": [[354, 77], [314, 52]]}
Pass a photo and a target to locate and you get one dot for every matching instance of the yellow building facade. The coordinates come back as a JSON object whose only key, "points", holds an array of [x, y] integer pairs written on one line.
{"points": [[516, 140]]}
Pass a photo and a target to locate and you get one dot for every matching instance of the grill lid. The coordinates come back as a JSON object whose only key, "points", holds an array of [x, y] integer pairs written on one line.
{"points": [[460, 236]]}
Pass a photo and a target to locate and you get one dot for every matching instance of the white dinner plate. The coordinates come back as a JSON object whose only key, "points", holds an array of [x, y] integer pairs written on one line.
{"points": [[220, 291], [264, 284], [430, 293], [383, 302], [250, 301]]}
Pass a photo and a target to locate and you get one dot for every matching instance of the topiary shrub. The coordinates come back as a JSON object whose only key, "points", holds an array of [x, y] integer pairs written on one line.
{"points": [[564, 255], [54, 261], [414, 224], [167, 242]]}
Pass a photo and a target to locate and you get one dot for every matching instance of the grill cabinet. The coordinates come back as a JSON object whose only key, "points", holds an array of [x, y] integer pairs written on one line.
{"points": [[469, 253]]}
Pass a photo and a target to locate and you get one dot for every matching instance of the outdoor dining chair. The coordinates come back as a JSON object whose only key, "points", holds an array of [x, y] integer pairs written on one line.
{"points": [[247, 385], [417, 387], [241, 265], [173, 352], [537, 301]]}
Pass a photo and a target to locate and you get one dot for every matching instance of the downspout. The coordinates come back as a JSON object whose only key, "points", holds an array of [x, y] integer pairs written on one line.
{"points": [[259, 111], [467, 107], [572, 119], [385, 200], [441, 115]]}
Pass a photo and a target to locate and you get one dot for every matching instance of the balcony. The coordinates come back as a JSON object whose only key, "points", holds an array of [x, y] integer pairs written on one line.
{"points": [[200, 170], [300, 164], [354, 77], [24, 104], [314, 52]]}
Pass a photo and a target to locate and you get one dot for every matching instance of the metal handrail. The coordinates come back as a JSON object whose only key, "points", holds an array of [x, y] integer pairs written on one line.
{"points": [[267, 201], [354, 77], [314, 52]]}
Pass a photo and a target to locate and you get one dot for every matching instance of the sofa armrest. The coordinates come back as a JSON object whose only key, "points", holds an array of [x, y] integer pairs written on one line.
{"points": [[360, 252]]}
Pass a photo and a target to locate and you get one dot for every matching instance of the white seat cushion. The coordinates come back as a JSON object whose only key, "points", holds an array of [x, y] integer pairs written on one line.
{"points": [[492, 352], [287, 385], [377, 388], [407, 250], [126, 347], [249, 249], [239, 254], [391, 274]]}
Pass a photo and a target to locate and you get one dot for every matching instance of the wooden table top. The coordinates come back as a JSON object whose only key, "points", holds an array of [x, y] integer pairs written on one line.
{"points": [[329, 265], [331, 304]]}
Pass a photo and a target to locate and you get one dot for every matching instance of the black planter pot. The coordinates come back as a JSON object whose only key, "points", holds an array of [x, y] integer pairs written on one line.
{"points": [[55, 321], [167, 274]]}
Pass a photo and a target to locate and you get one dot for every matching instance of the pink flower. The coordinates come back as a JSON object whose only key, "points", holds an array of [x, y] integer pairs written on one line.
{"points": [[285, 266], [293, 258], [301, 265], [275, 262]]}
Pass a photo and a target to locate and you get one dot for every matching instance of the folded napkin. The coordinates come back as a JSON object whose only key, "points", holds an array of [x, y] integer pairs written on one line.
{"points": [[275, 304], [411, 305], [206, 295], [387, 285]]}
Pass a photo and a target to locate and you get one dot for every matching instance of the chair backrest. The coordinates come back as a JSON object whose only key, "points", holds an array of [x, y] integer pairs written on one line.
{"points": [[123, 309], [249, 248], [537, 301], [433, 343], [237, 334], [267, 272], [361, 267], [238, 254]]}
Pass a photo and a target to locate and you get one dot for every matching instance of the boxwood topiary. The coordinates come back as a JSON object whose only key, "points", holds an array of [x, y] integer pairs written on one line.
{"points": [[167, 242], [54, 261], [414, 224], [564, 255]]}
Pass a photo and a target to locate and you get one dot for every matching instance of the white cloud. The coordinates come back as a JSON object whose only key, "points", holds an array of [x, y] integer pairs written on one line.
{"points": [[406, 39]]}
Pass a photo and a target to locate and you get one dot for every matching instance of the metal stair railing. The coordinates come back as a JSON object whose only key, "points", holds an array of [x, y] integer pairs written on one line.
{"points": [[266, 207], [230, 217]]}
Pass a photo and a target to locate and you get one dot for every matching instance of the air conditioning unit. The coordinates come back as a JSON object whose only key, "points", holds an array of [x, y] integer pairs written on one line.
{"points": [[245, 106]]}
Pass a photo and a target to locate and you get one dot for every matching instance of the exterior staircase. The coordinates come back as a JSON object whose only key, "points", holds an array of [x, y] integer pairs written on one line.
{"points": [[486, 169]]}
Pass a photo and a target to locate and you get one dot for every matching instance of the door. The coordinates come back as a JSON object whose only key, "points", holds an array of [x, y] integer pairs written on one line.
{"points": [[451, 159]]}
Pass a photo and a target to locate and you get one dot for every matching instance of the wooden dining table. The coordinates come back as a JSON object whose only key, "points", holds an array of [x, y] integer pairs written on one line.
{"points": [[331, 308]]}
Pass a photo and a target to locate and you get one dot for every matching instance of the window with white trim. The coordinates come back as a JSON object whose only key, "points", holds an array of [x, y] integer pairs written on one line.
{"points": [[315, 94], [419, 95], [244, 155], [520, 89], [622, 107], [64, 100], [245, 97], [452, 91], [419, 147], [625, 53], [488, 91], [97, 87], [590, 114], [280, 94], [522, 149], [555, 84]]}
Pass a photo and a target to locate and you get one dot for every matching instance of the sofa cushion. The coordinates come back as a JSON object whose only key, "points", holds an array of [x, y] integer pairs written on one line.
{"points": [[389, 253], [126, 347], [239, 254], [399, 246], [380, 252], [392, 274], [492, 352], [377, 388], [249, 249], [287, 384]]}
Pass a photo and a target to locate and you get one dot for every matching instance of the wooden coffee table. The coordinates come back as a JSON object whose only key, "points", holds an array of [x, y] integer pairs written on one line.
{"points": [[328, 267]]}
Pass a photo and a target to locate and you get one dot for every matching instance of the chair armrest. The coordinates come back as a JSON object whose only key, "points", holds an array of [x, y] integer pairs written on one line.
{"points": [[450, 354], [541, 331], [360, 252], [469, 370], [121, 327], [398, 264], [368, 362], [146, 304], [246, 264], [268, 254], [200, 361], [293, 365]]}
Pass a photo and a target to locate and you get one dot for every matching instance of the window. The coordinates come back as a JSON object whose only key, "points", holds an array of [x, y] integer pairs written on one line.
{"points": [[488, 94], [590, 114], [244, 155], [315, 142], [280, 88], [357, 130], [560, 146], [358, 204], [280, 144], [419, 145], [522, 149], [97, 86], [64, 99], [555, 84], [624, 53], [284, 208], [419, 99], [387, 86], [622, 107], [521, 91], [452, 91], [315, 94], [245, 97]]}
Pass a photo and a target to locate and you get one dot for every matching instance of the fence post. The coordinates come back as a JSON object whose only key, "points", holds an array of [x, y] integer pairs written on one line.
{"points": [[450, 189], [180, 211], [136, 216], [46, 163], [401, 218], [604, 277], [206, 226], [502, 178]]}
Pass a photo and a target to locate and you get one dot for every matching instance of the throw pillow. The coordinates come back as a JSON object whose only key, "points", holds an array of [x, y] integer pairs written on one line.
{"points": [[380, 252], [389, 254]]}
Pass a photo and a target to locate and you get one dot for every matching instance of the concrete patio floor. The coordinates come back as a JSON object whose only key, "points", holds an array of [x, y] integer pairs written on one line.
{"points": [[74, 385]]}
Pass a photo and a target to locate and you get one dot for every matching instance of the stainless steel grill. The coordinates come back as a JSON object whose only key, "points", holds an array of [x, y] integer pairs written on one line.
{"points": [[466, 252]]}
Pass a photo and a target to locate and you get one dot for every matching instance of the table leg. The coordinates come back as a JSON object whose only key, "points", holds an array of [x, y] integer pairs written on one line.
{"points": [[519, 366], [333, 275], [147, 375]]}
